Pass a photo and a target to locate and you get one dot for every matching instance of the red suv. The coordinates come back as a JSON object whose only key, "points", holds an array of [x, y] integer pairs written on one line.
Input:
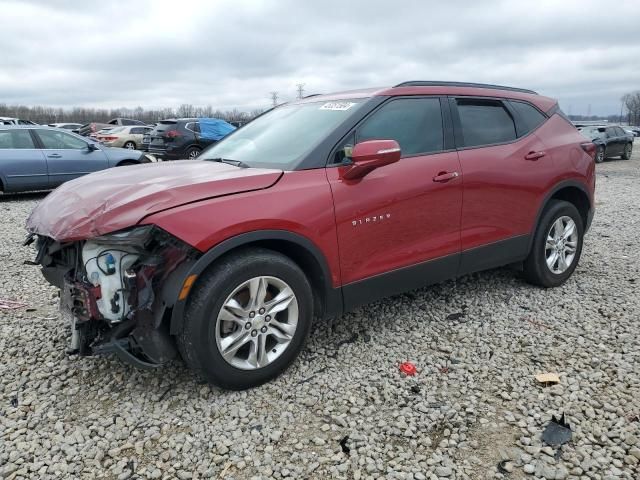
{"points": [[312, 209]]}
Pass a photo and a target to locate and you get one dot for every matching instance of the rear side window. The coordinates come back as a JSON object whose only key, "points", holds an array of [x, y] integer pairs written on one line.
{"points": [[193, 126], [485, 122], [20, 139], [415, 123], [528, 115], [137, 131]]}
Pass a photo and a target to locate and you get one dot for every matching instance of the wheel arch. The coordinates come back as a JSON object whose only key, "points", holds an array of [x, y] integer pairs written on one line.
{"points": [[127, 161], [301, 250], [570, 191]]}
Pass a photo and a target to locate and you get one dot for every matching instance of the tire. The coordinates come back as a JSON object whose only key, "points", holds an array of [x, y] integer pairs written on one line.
{"points": [[130, 145], [202, 339], [626, 154], [192, 153], [600, 154], [536, 268]]}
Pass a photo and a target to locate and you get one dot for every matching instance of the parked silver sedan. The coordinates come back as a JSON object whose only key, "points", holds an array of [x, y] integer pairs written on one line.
{"points": [[35, 157]]}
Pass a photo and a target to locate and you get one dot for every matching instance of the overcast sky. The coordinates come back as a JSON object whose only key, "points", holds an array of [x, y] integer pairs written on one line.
{"points": [[233, 53]]}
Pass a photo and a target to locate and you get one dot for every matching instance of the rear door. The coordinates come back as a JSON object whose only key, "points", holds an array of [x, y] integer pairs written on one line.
{"points": [[22, 163], [403, 214], [68, 156], [503, 167]]}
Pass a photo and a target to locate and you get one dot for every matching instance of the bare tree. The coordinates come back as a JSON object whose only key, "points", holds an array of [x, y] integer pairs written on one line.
{"points": [[632, 102]]}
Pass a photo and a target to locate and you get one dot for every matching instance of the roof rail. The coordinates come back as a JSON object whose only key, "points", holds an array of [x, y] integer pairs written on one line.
{"points": [[423, 83]]}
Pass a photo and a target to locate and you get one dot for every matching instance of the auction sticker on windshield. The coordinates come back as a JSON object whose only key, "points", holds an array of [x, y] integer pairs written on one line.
{"points": [[337, 106]]}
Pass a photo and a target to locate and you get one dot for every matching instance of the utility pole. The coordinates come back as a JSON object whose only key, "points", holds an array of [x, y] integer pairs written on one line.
{"points": [[274, 98], [300, 90]]}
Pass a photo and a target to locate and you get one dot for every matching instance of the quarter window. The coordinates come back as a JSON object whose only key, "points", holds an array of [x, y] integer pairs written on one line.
{"points": [[415, 123], [529, 116], [60, 140], [485, 122], [19, 139]]}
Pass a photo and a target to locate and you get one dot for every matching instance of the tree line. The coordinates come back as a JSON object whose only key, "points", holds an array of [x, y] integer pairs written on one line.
{"points": [[43, 115]]}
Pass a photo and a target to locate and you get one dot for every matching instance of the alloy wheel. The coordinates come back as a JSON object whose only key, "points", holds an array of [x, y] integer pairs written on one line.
{"points": [[561, 244], [193, 154], [256, 323], [600, 155]]}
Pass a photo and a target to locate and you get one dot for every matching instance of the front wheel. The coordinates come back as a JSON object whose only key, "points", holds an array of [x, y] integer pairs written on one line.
{"points": [[557, 245], [626, 154], [600, 154], [247, 319]]}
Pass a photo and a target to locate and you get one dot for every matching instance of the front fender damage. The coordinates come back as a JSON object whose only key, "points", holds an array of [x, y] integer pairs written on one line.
{"points": [[117, 291]]}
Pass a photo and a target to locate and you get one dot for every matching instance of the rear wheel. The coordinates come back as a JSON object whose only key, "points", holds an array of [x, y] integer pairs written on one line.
{"points": [[247, 319], [557, 245], [192, 153], [130, 145], [600, 154], [626, 154]]}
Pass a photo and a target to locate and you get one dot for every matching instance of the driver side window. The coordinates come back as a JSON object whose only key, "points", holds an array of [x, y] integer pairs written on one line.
{"points": [[60, 140], [415, 123]]}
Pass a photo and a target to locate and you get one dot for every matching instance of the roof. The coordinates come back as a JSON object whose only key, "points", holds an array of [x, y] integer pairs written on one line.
{"points": [[442, 88]]}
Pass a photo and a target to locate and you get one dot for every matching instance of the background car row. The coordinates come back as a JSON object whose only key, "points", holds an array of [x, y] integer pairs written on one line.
{"points": [[35, 157]]}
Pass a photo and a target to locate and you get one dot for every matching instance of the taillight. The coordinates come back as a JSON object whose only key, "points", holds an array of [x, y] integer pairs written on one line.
{"points": [[172, 134], [108, 139], [590, 148]]}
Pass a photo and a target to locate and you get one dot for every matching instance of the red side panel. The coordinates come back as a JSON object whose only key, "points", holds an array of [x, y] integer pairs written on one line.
{"points": [[300, 203]]}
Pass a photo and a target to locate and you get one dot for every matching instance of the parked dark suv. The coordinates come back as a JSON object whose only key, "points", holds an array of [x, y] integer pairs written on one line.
{"points": [[312, 209], [185, 138]]}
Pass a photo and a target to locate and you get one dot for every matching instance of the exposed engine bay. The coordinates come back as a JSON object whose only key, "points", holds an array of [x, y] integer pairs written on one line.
{"points": [[117, 291]]}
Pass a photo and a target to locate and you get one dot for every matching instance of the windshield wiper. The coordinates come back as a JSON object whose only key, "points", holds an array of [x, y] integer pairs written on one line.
{"points": [[236, 163]]}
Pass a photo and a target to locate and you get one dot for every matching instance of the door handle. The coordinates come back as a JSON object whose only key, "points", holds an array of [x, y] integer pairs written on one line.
{"points": [[54, 155], [535, 155], [445, 176]]}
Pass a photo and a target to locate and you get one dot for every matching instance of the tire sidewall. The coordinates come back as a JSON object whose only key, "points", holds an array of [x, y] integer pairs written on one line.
{"points": [[556, 209], [212, 365]]}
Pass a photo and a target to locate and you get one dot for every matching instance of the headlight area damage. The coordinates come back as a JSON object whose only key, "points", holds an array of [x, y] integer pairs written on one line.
{"points": [[118, 290]]}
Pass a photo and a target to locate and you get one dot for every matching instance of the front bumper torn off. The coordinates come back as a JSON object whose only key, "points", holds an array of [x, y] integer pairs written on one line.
{"points": [[117, 291]]}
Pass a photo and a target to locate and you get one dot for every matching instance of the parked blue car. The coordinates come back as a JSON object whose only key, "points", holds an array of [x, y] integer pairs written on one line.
{"points": [[35, 157]]}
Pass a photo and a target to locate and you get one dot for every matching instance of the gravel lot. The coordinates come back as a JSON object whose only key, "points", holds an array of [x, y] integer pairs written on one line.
{"points": [[344, 410]]}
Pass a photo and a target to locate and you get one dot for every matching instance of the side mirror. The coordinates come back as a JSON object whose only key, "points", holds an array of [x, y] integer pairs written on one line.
{"points": [[369, 155], [92, 147]]}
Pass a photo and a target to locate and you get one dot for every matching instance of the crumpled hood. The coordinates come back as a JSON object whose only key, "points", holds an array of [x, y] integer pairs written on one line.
{"points": [[120, 197]]}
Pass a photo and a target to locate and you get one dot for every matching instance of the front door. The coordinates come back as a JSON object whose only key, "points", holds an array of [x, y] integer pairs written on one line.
{"points": [[68, 156], [399, 226]]}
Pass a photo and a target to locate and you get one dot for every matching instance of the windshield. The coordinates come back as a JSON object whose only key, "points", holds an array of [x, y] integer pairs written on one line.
{"points": [[282, 137]]}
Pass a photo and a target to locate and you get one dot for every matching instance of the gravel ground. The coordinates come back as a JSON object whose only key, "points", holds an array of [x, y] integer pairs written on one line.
{"points": [[344, 410]]}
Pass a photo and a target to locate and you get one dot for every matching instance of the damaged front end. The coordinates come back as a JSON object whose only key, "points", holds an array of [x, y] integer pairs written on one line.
{"points": [[117, 291]]}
